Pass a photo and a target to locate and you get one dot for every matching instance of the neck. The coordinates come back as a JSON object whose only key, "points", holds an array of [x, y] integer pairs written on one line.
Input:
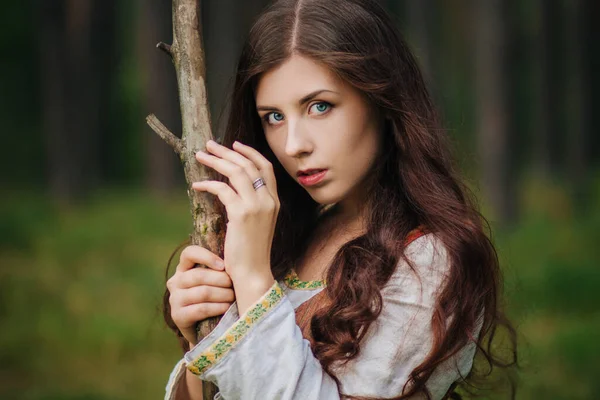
{"points": [[345, 219]]}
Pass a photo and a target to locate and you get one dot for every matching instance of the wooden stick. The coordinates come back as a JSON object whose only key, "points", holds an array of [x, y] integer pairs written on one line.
{"points": [[187, 53]]}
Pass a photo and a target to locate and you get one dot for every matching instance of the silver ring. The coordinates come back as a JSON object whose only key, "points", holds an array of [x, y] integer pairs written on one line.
{"points": [[258, 183]]}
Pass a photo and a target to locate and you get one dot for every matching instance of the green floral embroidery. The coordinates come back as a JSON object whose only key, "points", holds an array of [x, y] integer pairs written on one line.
{"points": [[236, 332], [293, 282]]}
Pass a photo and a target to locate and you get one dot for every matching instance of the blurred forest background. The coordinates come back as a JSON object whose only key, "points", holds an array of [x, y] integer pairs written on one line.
{"points": [[93, 203]]}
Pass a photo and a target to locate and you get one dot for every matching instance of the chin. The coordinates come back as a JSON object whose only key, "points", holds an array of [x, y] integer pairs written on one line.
{"points": [[325, 197]]}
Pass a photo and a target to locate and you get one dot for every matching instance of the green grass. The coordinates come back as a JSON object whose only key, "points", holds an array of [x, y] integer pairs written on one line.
{"points": [[80, 291], [80, 296]]}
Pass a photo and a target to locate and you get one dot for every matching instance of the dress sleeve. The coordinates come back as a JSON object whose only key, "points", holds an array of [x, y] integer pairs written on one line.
{"points": [[401, 337], [176, 378], [263, 355]]}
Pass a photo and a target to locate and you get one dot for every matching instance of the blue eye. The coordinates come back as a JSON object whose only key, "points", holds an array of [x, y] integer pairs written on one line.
{"points": [[321, 106], [266, 117]]}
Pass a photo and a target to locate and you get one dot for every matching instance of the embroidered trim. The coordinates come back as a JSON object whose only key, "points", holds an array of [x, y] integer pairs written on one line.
{"points": [[237, 331], [293, 282]]}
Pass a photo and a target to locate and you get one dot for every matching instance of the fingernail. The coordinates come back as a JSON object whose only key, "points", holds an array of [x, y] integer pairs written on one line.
{"points": [[220, 264]]}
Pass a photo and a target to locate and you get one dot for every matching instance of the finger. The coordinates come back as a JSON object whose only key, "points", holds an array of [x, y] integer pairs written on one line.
{"points": [[193, 254], [237, 175], [204, 276], [252, 165], [199, 312], [238, 158], [264, 166], [205, 294], [223, 191]]}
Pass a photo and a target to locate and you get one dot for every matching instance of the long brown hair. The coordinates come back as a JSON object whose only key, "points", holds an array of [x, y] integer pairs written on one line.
{"points": [[415, 181]]}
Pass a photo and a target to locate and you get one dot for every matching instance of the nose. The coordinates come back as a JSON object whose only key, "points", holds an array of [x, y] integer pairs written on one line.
{"points": [[298, 142]]}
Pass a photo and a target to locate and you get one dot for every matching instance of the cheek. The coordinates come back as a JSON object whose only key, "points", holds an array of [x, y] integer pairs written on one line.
{"points": [[360, 144], [352, 134]]}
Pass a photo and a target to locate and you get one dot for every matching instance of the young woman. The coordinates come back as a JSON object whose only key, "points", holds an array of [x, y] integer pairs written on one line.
{"points": [[355, 262]]}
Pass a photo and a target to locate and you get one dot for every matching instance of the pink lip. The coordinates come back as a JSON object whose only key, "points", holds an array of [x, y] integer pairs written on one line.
{"points": [[309, 180], [309, 171]]}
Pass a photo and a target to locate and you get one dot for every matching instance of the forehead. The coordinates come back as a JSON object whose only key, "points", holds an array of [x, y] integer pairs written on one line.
{"points": [[293, 79]]}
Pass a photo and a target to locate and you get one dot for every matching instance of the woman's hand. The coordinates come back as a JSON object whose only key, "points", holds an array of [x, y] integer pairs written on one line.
{"points": [[251, 213], [198, 293]]}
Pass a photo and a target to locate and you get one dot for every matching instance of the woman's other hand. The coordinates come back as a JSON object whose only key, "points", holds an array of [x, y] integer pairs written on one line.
{"points": [[198, 293]]}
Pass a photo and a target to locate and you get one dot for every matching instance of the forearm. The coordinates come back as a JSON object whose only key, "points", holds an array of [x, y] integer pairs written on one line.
{"points": [[191, 388]]}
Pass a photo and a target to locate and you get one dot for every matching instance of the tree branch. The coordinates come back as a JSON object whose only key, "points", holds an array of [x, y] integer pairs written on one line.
{"points": [[166, 48], [166, 135]]}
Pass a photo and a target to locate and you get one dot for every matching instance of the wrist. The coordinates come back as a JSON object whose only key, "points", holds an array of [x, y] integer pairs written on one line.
{"points": [[253, 279], [250, 288]]}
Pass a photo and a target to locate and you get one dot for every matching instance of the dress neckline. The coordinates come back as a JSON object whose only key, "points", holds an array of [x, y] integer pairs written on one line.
{"points": [[294, 282]]}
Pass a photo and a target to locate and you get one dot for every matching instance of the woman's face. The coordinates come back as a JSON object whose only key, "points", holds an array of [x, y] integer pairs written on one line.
{"points": [[314, 120]]}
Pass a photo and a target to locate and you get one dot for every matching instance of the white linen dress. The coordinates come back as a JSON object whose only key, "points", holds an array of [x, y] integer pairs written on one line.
{"points": [[263, 354]]}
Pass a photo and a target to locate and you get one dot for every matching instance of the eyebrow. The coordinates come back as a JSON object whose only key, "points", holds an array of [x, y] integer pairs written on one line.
{"points": [[303, 100]]}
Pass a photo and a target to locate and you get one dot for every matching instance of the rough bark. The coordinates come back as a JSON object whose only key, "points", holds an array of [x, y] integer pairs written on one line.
{"points": [[187, 53]]}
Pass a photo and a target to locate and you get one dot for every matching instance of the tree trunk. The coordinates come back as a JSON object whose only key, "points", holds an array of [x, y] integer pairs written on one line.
{"points": [[419, 15], [54, 124], [76, 77], [591, 80], [541, 136], [553, 86], [492, 118], [576, 95]]}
